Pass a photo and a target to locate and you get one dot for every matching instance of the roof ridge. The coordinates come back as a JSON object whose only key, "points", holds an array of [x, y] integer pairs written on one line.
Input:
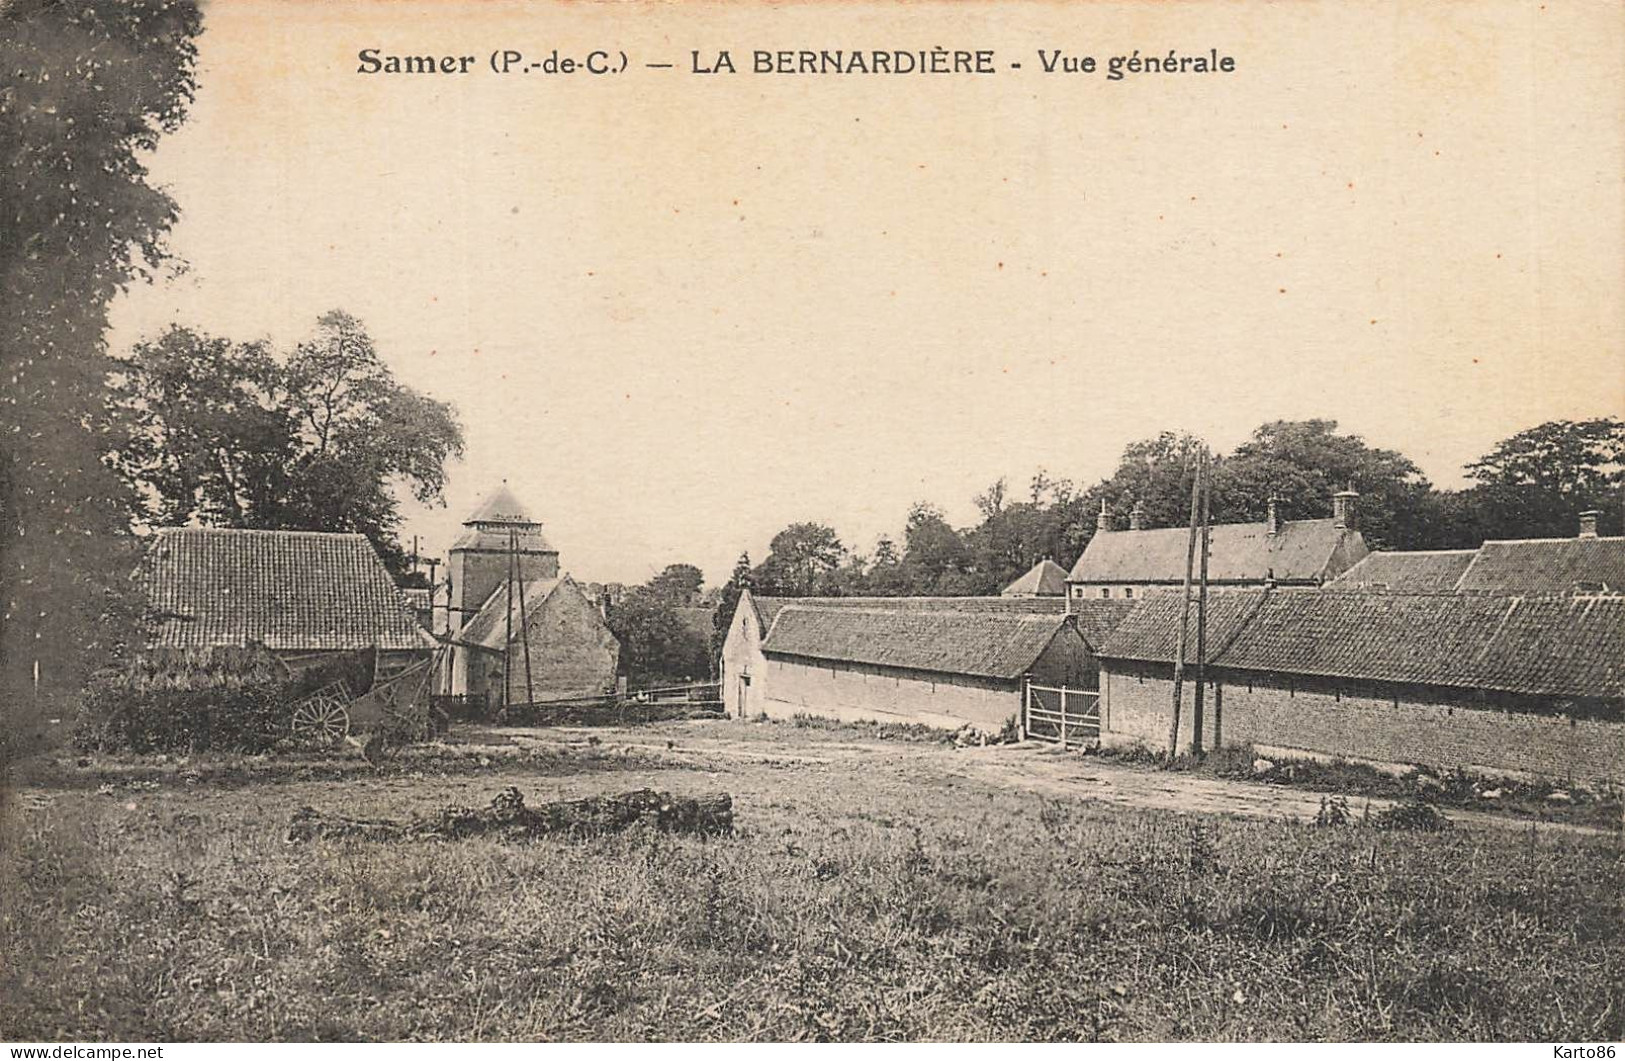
{"points": [[281, 532]]}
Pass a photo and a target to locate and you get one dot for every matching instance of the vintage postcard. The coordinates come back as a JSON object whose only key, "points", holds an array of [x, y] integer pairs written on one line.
{"points": [[852, 521]]}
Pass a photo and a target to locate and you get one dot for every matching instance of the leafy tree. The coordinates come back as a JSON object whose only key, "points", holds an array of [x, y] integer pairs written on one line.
{"points": [[658, 643], [1304, 462], [935, 551], [678, 584], [88, 88], [800, 560], [235, 435], [1536, 483]]}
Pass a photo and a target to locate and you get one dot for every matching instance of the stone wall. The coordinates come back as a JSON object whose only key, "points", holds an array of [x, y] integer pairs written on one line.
{"points": [[1438, 729], [851, 691]]}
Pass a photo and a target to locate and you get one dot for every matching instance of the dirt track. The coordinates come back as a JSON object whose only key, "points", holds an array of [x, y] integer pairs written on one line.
{"points": [[1042, 769]]}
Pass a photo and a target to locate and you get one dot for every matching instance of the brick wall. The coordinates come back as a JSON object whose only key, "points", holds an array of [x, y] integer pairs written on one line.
{"points": [[852, 691], [1369, 721]]}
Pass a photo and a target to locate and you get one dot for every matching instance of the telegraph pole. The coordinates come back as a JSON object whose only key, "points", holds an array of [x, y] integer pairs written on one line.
{"points": [[1203, 474], [1184, 618]]}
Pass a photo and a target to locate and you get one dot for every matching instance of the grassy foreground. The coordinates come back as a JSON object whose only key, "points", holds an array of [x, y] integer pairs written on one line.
{"points": [[851, 904]]}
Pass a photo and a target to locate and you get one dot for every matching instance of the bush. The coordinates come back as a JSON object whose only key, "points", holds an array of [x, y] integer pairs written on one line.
{"points": [[249, 717], [219, 699]]}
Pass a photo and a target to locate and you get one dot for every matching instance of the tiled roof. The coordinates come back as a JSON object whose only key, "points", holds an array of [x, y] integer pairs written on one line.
{"points": [[489, 627], [500, 507], [1098, 619], [1547, 566], [1305, 550], [287, 590], [1550, 646], [979, 644], [1436, 571], [501, 522], [768, 608], [1046, 579]]}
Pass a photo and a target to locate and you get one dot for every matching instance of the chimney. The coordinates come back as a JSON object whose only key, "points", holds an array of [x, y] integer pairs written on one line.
{"points": [[1345, 511], [1136, 516], [1588, 523], [1272, 521], [1103, 522]]}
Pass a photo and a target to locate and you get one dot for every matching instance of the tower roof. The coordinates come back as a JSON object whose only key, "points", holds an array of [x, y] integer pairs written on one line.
{"points": [[500, 506]]}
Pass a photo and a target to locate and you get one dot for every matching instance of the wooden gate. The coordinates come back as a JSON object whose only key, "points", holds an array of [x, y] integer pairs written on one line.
{"points": [[1068, 717]]}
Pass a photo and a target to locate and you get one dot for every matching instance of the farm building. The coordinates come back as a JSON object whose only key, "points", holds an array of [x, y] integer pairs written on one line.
{"points": [[1586, 565], [536, 641], [942, 668], [1139, 562], [751, 683], [303, 595], [1430, 571], [1532, 686], [1046, 579]]}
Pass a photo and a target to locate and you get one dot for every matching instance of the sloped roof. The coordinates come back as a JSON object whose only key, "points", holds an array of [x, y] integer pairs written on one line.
{"points": [[1046, 579], [287, 590], [489, 627], [500, 506], [1547, 566], [1097, 619], [1435, 571], [768, 608], [978, 644], [1302, 551], [1549, 646]]}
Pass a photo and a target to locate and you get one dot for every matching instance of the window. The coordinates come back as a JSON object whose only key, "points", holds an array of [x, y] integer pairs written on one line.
{"points": [[1128, 591], [1105, 591]]}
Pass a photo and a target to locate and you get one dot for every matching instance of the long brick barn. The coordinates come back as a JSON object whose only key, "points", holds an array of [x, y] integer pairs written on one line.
{"points": [[944, 661], [1477, 682]]}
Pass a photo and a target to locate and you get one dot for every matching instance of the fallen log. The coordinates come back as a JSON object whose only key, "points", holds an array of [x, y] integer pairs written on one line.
{"points": [[508, 818]]}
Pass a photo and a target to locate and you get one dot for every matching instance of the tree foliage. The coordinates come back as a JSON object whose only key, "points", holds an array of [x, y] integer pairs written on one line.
{"points": [[1534, 484], [655, 622], [317, 438], [88, 88]]}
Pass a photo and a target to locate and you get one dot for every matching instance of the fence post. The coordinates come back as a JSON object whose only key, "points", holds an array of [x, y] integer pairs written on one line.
{"points": [[1026, 706], [1063, 718]]}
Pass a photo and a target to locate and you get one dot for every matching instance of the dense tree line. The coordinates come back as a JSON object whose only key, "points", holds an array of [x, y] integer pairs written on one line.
{"points": [[1534, 484]]}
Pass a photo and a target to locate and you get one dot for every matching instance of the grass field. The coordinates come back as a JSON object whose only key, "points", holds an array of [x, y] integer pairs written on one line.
{"points": [[871, 891]]}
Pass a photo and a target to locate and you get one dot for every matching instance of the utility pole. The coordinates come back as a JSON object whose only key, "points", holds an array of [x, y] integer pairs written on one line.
{"points": [[1184, 618], [524, 622], [507, 637], [1203, 474]]}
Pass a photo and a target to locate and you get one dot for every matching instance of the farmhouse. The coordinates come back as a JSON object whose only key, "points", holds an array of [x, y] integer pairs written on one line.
{"points": [[751, 680], [303, 595], [1046, 579], [1530, 686], [508, 604], [1585, 565], [1139, 563]]}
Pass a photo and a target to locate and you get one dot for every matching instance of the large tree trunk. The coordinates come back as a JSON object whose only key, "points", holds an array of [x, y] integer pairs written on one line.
{"points": [[509, 818]]}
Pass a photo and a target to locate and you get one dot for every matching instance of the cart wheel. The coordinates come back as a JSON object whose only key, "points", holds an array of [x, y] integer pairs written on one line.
{"points": [[323, 720]]}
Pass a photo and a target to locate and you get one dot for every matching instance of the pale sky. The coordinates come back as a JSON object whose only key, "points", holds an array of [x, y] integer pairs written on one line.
{"points": [[678, 312]]}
